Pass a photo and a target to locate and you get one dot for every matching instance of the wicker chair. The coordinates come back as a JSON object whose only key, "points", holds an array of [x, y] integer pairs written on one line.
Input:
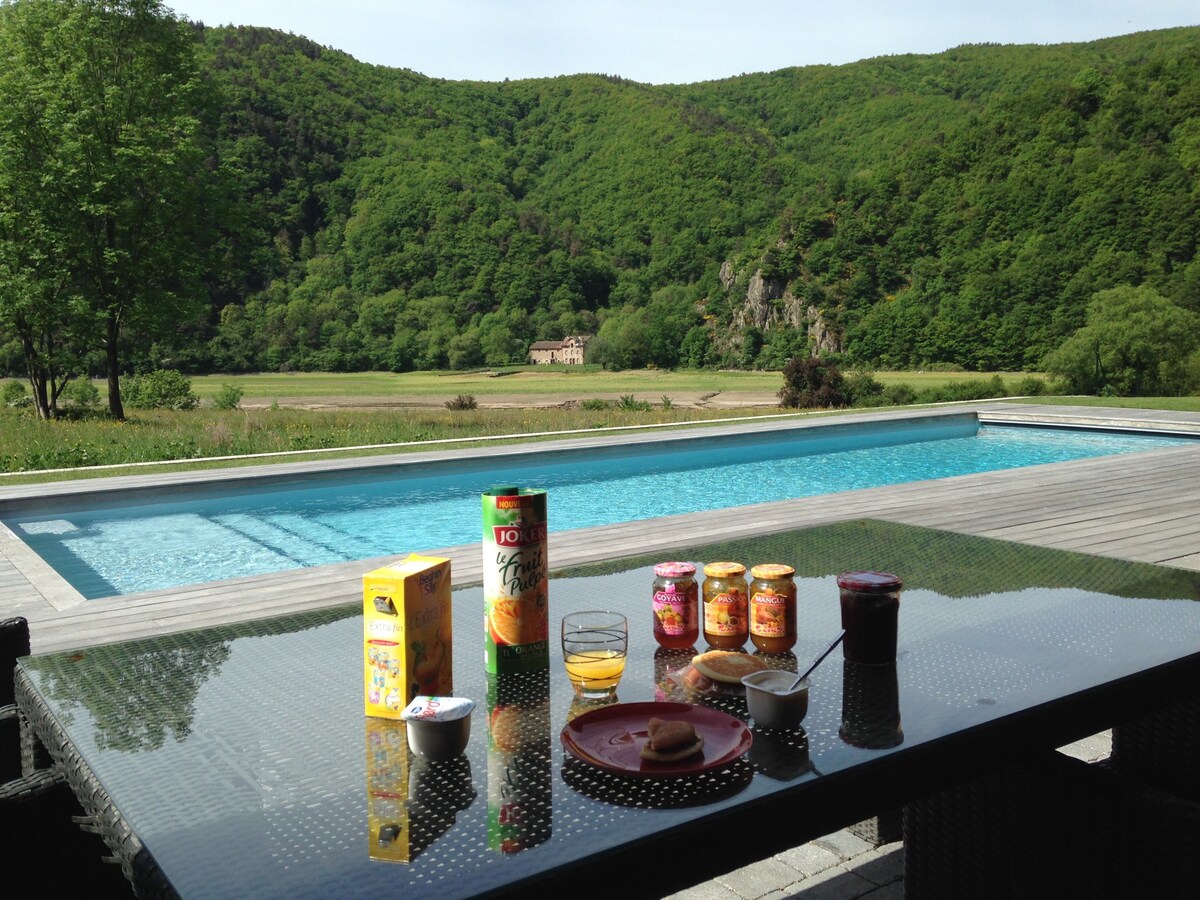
{"points": [[1052, 826], [43, 828]]}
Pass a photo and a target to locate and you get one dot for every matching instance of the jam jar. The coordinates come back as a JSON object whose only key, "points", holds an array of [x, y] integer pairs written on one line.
{"points": [[676, 605], [870, 606], [773, 607], [725, 625]]}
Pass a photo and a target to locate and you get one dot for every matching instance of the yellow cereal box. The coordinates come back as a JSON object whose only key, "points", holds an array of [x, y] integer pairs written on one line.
{"points": [[388, 828], [406, 634]]}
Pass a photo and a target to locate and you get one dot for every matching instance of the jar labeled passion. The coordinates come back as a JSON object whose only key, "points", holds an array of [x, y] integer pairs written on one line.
{"points": [[773, 607], [725, 602], [676, 605]]}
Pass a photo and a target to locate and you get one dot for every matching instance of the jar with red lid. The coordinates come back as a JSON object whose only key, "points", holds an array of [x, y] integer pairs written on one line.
{"points": [[773, 607], [676, 605], [870, 606], [725, 602]]}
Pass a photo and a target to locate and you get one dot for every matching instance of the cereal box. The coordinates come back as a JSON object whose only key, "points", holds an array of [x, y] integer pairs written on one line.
{"points": [[388, 831], [406, 634]]}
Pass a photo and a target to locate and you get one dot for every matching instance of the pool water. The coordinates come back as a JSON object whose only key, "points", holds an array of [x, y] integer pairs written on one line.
{"points": [[253, 530]]}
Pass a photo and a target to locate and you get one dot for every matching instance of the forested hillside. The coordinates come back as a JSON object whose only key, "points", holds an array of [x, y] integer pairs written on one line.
{"points": [[957, 208]]}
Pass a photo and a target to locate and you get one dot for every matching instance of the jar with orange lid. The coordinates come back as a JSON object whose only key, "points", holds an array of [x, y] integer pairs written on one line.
{"points": [[725, 602], [773, 607]]}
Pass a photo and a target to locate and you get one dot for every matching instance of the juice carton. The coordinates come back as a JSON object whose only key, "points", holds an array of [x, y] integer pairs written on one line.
{"points": [[406, 634]]}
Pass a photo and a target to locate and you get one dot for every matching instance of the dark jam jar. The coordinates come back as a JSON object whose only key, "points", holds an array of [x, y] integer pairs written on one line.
{"points": [[773, 608], [870, 604], [725, 625], [676, 605]]}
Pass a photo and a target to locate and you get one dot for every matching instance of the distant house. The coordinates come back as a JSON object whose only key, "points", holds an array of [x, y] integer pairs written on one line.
{"points": [[569, 350]]}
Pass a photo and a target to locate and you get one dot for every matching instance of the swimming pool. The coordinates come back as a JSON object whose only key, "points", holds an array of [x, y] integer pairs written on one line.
{"points": [[133, 543]]}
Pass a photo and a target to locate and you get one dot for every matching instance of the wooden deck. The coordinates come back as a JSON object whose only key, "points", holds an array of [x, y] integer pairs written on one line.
{"points": [[1143, 506]]}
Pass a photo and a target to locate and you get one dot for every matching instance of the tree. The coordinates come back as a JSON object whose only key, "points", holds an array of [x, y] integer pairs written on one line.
{"points": [[1136, 343], [107, 187], [811, 383]]}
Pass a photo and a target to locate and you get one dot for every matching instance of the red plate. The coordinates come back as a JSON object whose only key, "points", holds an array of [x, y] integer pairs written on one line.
{"points": [[612, 737]]}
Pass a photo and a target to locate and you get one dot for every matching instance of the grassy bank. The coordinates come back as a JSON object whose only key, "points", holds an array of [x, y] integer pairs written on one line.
{"points": [[28, 445], [155, 435]]}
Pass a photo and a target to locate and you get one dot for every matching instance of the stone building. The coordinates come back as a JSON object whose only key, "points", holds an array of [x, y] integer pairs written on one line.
{"points": [[569, 350]]}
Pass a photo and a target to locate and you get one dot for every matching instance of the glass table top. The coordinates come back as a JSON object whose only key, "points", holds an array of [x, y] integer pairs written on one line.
{"points": [[241, 757]]}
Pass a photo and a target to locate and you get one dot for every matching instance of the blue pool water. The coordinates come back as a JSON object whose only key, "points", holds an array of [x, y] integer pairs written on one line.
{"points": [[103, 550]]}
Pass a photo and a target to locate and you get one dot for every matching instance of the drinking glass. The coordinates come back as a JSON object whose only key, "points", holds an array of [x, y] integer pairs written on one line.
{"points": [[594, 643]]}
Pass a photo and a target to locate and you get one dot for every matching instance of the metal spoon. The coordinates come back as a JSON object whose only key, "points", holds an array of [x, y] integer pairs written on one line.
{"points": [[837, 640]]}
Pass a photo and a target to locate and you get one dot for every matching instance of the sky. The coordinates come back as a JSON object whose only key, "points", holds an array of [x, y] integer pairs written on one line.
{"points": [[673, 41]]}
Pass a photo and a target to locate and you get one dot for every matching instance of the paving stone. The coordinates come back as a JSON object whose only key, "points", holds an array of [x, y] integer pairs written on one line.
{"points": [[809, 858], [845, 844], [761, 878], [882, 865], [833, 884], [893, 891], [706, 890]]}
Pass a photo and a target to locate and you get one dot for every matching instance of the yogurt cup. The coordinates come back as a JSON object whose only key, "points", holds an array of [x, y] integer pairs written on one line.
{"points": [[438, 727], [772, 702]]}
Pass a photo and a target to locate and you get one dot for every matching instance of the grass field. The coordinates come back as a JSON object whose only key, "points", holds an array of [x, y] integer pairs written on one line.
{"points": [[533, 383], [361, 410]]}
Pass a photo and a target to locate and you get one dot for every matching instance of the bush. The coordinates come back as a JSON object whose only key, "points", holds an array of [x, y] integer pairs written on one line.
{"points": [[863, 389], [81, 392], [899, 394], [628, 404], [1031, 386], [160, 389], [594, 403], [228, 397], [812, 383], [667, 403], [14, 394], [971, 389], [462, 401]]}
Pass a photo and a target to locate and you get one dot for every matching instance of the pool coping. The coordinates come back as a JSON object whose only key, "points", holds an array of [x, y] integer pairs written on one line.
{"points": [[264, 595]]}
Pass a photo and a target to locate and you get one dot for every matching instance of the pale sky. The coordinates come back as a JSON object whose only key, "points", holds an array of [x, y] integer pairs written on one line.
{"points": [[673, 41]]}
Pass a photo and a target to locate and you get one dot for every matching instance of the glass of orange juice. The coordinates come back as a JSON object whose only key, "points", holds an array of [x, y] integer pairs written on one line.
{"points": [[594, 643]]}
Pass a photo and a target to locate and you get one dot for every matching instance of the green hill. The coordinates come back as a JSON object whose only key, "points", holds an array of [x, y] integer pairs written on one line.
{"points": [[954, 208]]}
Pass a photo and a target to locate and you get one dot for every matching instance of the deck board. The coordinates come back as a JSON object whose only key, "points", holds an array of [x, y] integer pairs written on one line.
{"points": [[1143, 506]]}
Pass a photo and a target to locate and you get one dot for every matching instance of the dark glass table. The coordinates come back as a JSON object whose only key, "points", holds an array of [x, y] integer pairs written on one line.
{"points": [[236, 760]]}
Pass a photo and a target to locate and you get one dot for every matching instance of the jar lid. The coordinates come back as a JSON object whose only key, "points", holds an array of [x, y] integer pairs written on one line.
{"points": [[675, 569], [771, 571], [724, 569], [870, 582]]}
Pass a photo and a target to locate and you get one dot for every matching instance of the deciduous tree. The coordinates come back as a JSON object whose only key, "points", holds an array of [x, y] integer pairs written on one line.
{"points": [[107, 188]]}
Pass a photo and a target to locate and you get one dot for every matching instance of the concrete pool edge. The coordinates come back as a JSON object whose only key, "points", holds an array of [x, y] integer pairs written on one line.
{"points": [[65, 625]]}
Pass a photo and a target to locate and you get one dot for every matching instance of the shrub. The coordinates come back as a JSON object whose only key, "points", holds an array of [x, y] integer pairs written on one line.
{"points": [[899, 394], [14, 394], [971, 389], [1031, 386], [863, 389], [81, 392], [811, 382], [228, 396], [462, 401], [666, 402], [594, 403], [160, 389], [629, 404]]}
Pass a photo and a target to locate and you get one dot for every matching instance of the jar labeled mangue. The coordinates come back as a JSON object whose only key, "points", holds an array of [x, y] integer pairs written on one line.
{"points": [[773, 607], [676, 605], [725, 603]]}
